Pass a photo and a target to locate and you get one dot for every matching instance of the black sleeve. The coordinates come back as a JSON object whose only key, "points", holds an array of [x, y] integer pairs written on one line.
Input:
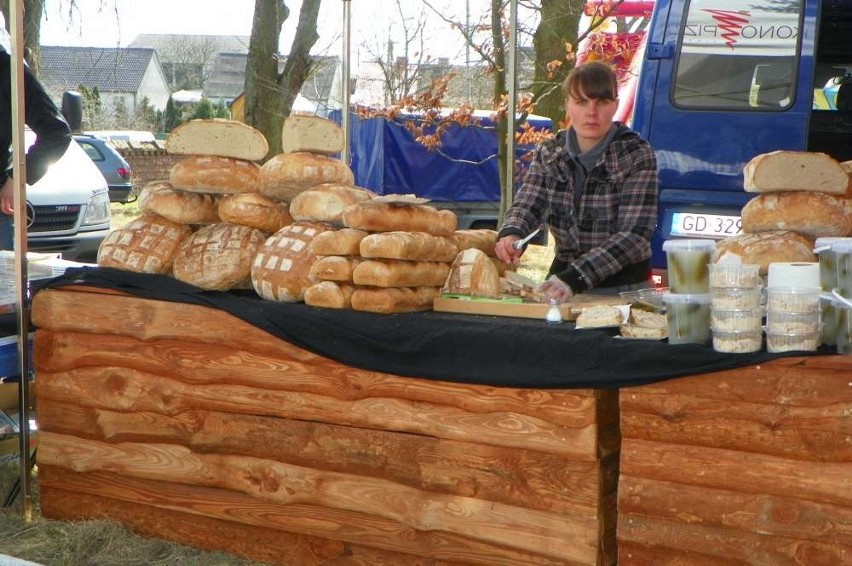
{"points": [[52, 132]]}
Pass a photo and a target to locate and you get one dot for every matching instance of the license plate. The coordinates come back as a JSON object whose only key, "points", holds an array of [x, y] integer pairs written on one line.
{"points": [[708, 225]]}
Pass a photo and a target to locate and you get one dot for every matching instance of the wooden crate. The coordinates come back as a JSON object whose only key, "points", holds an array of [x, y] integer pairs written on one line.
{"points": [[748, 466], [187, 424]]}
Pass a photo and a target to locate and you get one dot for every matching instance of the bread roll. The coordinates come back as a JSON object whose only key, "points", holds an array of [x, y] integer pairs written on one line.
{"points": [[330, 295], [630, 330], [160, 197], [400, 273], [794, 171], [346, 241], [334, 268], [394, 300], [217, 136], [483, 239], [146, 244], [813, 214], [288, 174], [218, 257], [212, 174], [599, 316], [415, 246], [473, 273], [281, 269], [311, 133], [256, 211], [326, 202], [765, 248], [387, 217]]}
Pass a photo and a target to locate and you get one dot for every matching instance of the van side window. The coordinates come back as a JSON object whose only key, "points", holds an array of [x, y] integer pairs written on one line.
{"points": [[738, 54]]}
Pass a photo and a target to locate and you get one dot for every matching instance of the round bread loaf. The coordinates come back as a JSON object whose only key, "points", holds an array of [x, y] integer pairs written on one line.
{"points": [[160, 197], [288, 174], [146, 244], [218, 257], [765, 248], [813, 214], [794, 171], [473, 273], [311, 133], [217, 136], [281, 269], [213, 174], [256, 211], [326, 202]]}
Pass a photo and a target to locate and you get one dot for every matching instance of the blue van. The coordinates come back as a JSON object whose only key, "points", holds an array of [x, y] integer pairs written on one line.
{"points": [[724, 80]]}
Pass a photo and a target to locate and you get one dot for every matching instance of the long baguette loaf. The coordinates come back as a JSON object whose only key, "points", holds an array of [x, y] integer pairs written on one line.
{"points": [[813, 214], [765, 248], [394, 300], [213, 174], [400, 273], [414, 246], [346, 241], [482, 239], [473, 273], [288, 174], [217, 136], [282, 266], [146, 244], [794, 171], [255, 210], [218, 256], [334, 268], [160, 197], [330, 295], [387, 217], [326, 202], [311, 133]]}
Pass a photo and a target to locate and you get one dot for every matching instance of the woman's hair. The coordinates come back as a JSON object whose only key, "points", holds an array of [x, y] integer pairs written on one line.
{"points": [[594, 80]]}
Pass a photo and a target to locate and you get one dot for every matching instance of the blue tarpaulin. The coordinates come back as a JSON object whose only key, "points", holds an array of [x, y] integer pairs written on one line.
{"points": [[386, 159]]}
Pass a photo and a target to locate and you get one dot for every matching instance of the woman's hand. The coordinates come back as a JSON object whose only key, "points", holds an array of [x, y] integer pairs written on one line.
{"points": [[506, 252], [554, 288]]}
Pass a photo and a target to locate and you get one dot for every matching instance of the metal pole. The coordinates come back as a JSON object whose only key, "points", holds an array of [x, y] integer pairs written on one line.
{"points": [[344, 112], [467, 49], [20, 218], [511, 79]]}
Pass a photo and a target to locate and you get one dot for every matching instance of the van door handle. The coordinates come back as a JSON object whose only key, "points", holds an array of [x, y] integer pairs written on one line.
{"points": [[659, 51]]}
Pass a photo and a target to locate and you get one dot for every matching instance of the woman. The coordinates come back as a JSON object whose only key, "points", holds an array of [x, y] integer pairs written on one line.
{"points": [[595, 186]]}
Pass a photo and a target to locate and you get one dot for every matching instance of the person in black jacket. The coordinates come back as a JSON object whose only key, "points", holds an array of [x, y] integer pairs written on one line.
{"points": [[42, 116]]}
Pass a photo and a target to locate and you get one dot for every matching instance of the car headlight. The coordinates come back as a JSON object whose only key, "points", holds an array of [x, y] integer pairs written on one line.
{"points": [[97, 211]]}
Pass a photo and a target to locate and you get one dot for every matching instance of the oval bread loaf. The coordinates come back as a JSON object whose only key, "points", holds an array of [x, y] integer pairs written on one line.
{"points": [[330, 295], [481, 239], [765, 248], [473, 273], [334, 268], [415, 246], [794, 171], [256, 211], [217, 136], [400, 273], [160, 197], [346, 241], [218, 257], [326, 202], [394, 300], [813, 214], [311, 133], [281, 269], [387, 217], [146, 244], [213, 174], [288, 174]]}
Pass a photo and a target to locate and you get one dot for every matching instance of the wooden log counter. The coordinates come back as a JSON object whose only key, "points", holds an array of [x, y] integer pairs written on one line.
{"points": [[188, 424]]}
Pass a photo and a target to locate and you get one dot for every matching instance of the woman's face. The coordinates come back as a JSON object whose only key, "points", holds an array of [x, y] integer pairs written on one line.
{"points": [[591, 118]]}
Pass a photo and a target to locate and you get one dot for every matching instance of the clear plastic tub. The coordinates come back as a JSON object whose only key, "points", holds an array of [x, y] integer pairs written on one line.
{"points": [[827, 260], [737, 342], [784, 322], [736, 320], [687, 262], [736, 297], [651, 298], [843, 265], [792, 299], [687, 318], [782, 342], [734, 275], [843, 328]]}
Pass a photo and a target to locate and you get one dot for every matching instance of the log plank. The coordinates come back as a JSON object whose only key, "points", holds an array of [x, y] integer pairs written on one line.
{"points": [[572, 537], [630, 554], [515, 476]]}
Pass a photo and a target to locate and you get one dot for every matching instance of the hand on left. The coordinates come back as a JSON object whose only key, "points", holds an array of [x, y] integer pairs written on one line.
{"points": [[7, 198], [554, 288]]}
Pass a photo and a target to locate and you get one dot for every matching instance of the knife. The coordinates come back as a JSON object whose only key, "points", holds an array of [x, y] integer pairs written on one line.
{"points": [[523, 241]]}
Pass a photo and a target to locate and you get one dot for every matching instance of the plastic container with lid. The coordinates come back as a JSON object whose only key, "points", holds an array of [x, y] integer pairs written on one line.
{"points": [[843, 329], [842, 250], [736, 320], [827, 265], [734, 275], [687, 262], [792, 322], [793, 299], [736, 297], [651, 298], [737, 341], [687, 318], [786, 342]]}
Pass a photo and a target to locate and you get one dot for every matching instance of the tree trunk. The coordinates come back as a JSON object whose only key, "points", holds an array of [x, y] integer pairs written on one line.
{"points": [[557, 27], [500, 91], [33, 10]]}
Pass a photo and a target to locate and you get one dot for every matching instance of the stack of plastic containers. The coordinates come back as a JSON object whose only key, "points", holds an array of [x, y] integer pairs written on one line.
{"points": [[831, 310], [792, 319], [688, 300], [736, 315], [842, 256]]}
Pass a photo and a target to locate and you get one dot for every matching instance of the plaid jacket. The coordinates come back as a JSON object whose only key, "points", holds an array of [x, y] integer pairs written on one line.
{"points": [[617, 213]]}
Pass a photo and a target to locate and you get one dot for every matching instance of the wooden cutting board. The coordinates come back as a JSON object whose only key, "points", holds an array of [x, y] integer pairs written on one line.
{"points": [[496, 307]]}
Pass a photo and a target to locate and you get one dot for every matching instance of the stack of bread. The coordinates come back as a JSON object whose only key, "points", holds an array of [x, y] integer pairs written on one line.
{"points": [[206, 223], [802, 196]]}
